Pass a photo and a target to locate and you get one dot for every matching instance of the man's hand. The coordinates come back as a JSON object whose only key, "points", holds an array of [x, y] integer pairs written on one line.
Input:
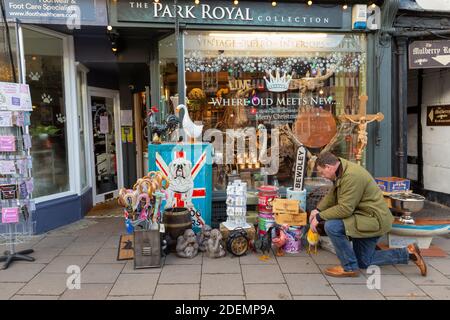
{"points": [[314, 224], [313, 215]]}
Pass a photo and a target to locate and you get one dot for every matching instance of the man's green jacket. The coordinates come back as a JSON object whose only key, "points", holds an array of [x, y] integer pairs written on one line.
{"points": [[358, 201]]}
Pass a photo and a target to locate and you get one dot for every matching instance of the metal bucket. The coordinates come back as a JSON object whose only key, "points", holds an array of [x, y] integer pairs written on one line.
{"points": [[297, 195], [265, 221], [293, 240], [266, 195]]}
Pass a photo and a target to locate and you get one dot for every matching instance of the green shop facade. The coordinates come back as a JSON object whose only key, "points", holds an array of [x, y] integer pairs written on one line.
{"points": [[235, 66]]}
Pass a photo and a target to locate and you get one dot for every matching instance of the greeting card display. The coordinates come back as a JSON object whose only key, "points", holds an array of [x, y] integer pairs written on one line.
{"points": [[7, 143], [10, 215], [16, 184], [15, 97]]}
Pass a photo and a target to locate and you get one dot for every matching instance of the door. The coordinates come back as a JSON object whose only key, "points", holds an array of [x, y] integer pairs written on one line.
{"points": [[106, 150]]}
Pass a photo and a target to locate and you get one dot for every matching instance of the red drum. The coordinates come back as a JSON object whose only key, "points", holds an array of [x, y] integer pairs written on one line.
{"points": [[266, 195]]}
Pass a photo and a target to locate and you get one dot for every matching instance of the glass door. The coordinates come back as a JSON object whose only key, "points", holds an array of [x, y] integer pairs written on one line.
{"points": [[106, 146]]}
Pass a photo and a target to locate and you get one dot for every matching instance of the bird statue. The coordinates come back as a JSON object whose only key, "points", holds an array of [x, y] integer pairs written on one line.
{"points": [[192, 130], [280, 240], [313, 240], [263, 244]]}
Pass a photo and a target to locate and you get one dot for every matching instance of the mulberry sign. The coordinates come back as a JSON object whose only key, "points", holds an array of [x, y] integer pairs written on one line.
{"points": [[429, 54], [438, 116], [225, 13]]}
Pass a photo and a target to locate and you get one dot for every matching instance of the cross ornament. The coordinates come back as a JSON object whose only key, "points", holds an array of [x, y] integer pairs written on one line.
{"points": [[361, 120]]}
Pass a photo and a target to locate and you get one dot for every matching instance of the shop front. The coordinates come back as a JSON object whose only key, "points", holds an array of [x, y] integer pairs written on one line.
{"points": [[263, 79]]}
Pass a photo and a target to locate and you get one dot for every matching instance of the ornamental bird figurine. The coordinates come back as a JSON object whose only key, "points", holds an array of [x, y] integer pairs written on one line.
{"points": [[280, 240], [192, 130], [313, 240], [263, 244]]}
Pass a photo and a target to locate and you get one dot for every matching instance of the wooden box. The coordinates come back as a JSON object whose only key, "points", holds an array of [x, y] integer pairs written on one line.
{"points": [[393, 184], [287, 212]]}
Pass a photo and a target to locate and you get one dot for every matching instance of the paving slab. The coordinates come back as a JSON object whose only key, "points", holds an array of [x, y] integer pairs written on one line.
{"points": [[298, 265], [101, 273], [441, 264], [356, 292], [7, 290], [262, 274], [34, 297], [316, 297], [222, 298], [60, 263], [112, 242], [44, 255], [81, 249], [267, 292], [308, 285], [394, 285], [356, 280], [129, 298], [302, 253], [409, 298], [227, 264], [55, 242], [325, 257], [180, 274], [135, 284], [385, 270], [177, 292], [172, 258], [433, 277], [437, 292], [129, 268], [221, 284], [88, 292], [21, 272], [255, 258], [46, 284], [105, 255]]}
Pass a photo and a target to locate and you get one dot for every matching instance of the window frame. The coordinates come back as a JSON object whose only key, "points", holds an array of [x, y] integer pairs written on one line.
{"points": [[70, 100]]}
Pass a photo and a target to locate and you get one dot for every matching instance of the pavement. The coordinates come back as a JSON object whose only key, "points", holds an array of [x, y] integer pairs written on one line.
{"points": [[92, 245]]}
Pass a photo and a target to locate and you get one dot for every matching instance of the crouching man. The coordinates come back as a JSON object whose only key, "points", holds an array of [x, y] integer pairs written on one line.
{"points": [[354, 208]]}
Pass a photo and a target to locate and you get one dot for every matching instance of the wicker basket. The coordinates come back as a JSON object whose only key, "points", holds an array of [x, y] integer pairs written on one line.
{"points": [[316, 189]]}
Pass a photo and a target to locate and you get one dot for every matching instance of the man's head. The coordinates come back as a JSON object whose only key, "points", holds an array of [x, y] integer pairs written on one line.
{"points": [[327, 165]]}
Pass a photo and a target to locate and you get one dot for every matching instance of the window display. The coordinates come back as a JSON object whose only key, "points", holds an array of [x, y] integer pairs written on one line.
{"points": [[252, 89], [44, 58]]}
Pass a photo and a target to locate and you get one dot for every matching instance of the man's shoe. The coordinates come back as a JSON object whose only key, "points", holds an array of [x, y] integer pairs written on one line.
{"points": [[338, 271], [413, 249]]}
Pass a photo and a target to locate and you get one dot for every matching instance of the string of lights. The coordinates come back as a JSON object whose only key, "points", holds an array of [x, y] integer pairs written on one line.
{"points": [[275, 3]]}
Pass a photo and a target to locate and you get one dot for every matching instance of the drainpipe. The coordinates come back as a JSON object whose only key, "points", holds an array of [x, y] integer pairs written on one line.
{"points": [[419, 130], [402, 58]]}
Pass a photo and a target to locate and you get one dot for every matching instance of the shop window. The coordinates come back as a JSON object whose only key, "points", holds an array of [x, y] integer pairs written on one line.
{"points": [[254, 83], [44, 58], [8, 51], [168, 65]]}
